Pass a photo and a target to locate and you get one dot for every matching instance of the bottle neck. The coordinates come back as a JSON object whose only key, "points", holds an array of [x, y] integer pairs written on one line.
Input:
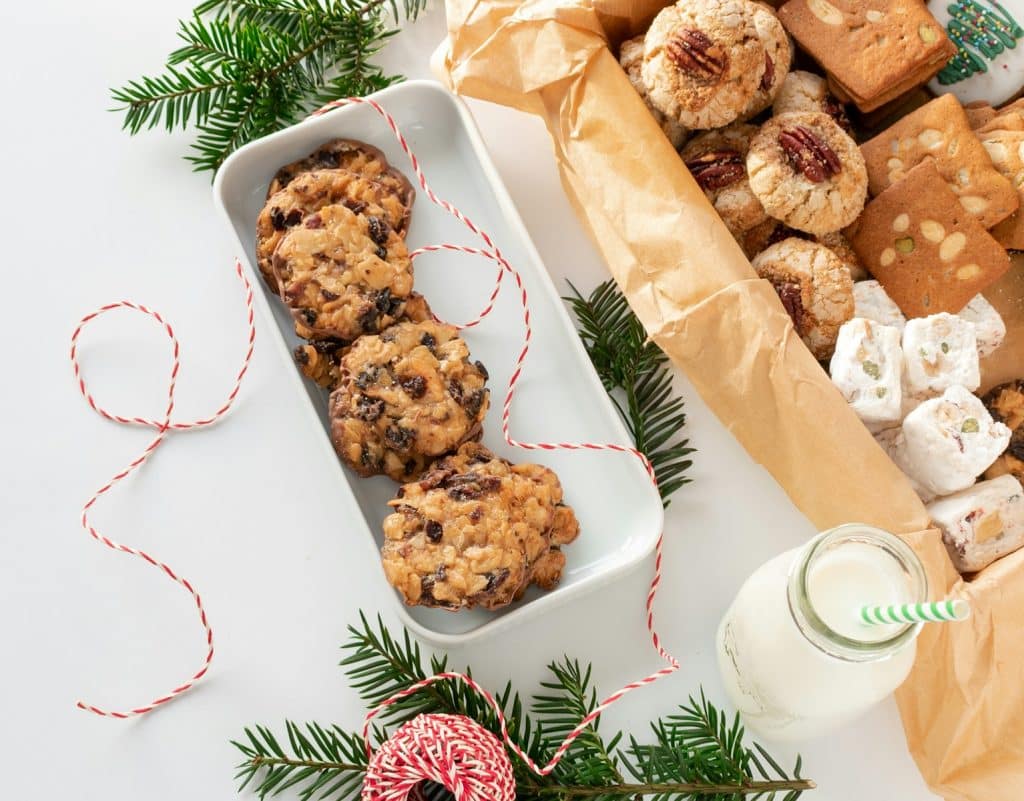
{"points": [[893, 555]]}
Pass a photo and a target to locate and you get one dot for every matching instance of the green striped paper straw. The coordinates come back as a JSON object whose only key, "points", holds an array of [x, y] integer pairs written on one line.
{"points": [[932, 612]]}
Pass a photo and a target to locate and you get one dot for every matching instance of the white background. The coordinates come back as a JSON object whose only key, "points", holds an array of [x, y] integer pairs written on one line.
{"points": [[89, 216]]}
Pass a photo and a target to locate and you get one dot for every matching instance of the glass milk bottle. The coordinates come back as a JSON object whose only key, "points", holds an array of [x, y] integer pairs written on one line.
{"points": [[795, 658]]}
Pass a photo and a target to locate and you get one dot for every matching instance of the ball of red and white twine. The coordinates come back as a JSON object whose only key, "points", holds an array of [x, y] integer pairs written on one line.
{"points": [[451, 750]]}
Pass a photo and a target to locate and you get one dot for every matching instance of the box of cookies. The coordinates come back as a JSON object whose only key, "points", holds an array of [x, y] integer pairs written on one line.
{"points": [[815, 208]]}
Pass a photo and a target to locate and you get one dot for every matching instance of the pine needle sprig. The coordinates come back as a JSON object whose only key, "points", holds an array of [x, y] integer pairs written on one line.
{"points": [[247, 68], [635, 373], [697, 753]]}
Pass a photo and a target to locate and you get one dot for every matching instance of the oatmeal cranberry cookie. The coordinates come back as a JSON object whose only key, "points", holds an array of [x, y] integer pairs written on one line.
{"points": [[703, 61], [814, 287], [717, 162], [778, 55], [320, 359], [631, 58], [404, 398], [358, 157], [807, 172], [343, 274], [805, 91], [309, 193], [1006, 403], [476, 530]]}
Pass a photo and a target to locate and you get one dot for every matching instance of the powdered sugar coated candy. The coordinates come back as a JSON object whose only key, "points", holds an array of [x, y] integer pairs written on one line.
{"points": [[947, 442], [939, 352], [982, 523], [866, 368], [873, 302], [989, 328]]}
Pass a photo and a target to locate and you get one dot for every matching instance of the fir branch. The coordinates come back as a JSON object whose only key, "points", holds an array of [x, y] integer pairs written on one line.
{"points": [[247, 68], [635, 374], [697, 754]]}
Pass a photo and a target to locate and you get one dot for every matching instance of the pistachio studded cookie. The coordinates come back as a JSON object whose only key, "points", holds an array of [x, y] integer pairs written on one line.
{"points": [[814, 287], [717, 162], [805, 91], [778, 55], [343, 274], [476, 530], [320, 359], [807, 172], [1006, 403], [631, 58], [358, 157], [703, 61], [405, 397], [309, 193]]}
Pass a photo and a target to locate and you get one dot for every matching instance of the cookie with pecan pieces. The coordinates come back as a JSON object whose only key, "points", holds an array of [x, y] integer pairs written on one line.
{"points": [[704, 61], [365, 160], [343, 274], [406, 397], [717, 162], [476, 530], [807, 172], [631, 59], [309, 193]]}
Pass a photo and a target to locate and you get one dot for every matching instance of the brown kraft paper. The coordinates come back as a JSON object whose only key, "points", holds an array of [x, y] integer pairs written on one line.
{"points": [[699, 299]]}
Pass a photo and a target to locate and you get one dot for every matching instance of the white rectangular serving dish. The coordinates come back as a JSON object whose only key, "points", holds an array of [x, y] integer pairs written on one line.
{"points": [[559, 397]]}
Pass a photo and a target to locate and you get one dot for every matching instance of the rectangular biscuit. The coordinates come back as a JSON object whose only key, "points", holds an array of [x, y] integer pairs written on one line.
{"points": [[981, 523], [939, 131], [928, 253], [870, 46], [1003, 140]]}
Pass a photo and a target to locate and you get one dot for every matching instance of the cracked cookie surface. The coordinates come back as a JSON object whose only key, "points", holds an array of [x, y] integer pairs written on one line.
{"points": [[807, 172], [404, 398], [1006, 403], [703, 61], [814, 286], [476, 530]]}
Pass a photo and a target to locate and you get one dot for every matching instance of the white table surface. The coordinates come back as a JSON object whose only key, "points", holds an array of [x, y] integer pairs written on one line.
{"points": [[91, 216]]}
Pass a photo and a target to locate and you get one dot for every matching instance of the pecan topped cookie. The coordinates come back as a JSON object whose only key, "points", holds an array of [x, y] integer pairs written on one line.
{"points": [[406, 397], [309, 193], [476, 530], [778, 55], [807, 172], [717, 160], [343, 274], [704, 61], [631, 58]]}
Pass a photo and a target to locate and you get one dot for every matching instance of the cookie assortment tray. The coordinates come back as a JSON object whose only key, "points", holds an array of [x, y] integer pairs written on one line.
{"points": [[558, 398]]}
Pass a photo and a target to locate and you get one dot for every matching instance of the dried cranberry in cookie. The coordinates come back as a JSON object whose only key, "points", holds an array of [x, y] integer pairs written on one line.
{"points": [[807, 172], [476, 531], [364, 160], [631, 58], [703, 61], [717, 162], [309, 193], [814, 287], [406, 397], [343, 274]]}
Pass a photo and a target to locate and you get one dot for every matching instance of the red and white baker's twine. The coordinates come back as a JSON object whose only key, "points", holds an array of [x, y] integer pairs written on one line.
{"points": [[162, 426], [386, 792]]}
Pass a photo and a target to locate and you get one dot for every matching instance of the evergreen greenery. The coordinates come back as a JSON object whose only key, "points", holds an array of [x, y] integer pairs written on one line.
{"points": [[636, 375], [697, 753], [247, 68]]}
